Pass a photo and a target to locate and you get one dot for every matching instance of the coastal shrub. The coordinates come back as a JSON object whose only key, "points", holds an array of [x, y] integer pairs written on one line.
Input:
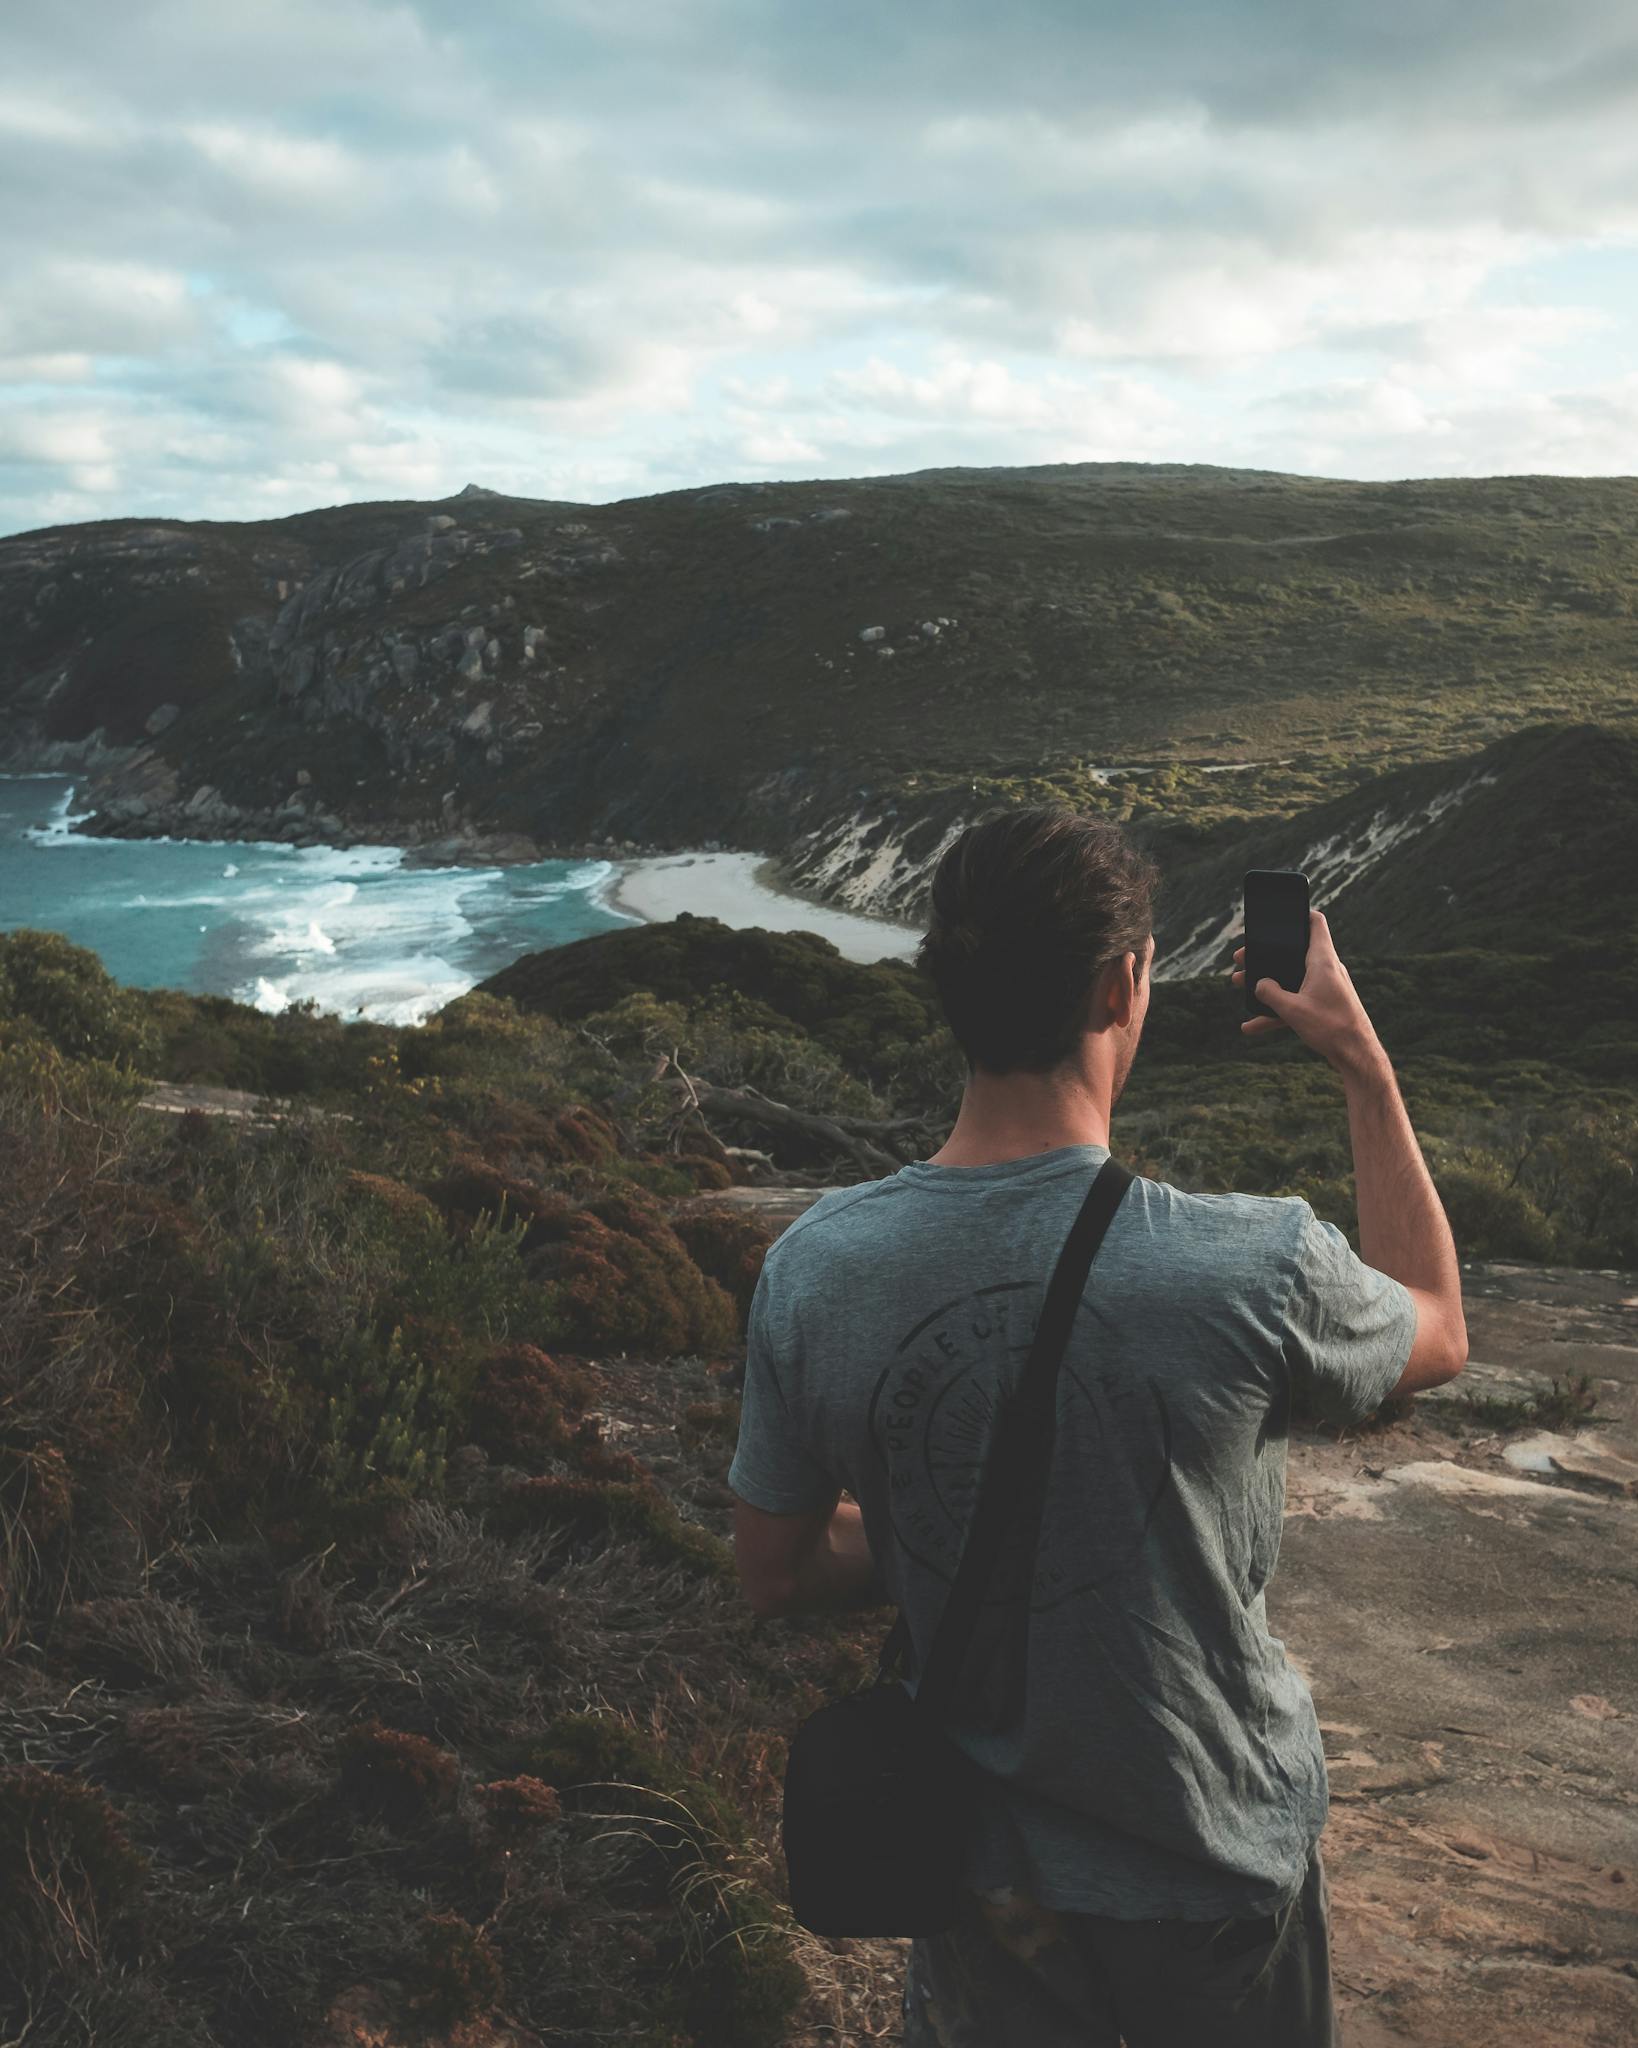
{"points": [[135, 1640], [729, 1248], [517, 1808], [706, 1173], [743, 1985], [622, 1279], [1490, 1219], [304, 1608], [659, 1173], [302, 1052], [603, 1512], [457, 1972], [36, 1492], [726, 1039], [82, 1497], [593, 1759], [1582, 1170], [521, 1401], [388, 1417], [663, 1302], [473, 1187], [71, 1000], [403, 1205], [67, 1866], [621, 1293], [785, 980], [540, 1139], [394, 1776]]}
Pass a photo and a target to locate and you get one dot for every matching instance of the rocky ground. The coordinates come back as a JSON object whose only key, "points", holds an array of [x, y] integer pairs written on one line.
{"points": [[1460, 1587]]}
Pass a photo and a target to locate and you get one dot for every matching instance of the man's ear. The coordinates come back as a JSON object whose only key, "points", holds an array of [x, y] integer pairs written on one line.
{"points": [[1115, 992]]}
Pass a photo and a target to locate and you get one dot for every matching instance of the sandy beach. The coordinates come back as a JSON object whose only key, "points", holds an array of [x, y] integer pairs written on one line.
{"points": [[738, 889]]}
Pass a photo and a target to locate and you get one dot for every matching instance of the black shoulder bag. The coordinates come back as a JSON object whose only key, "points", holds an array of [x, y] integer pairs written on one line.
{"points": [[878, 1798]]}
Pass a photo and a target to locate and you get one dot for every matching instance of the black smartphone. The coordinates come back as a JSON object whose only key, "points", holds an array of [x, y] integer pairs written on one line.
{"points": [[1276, 938]]}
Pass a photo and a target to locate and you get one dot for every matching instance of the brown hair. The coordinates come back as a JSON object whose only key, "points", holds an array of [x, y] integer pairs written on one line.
{"points": [[1027, 906]]}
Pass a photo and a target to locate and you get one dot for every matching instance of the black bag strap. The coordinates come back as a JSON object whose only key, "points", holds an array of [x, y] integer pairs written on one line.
{"points": [[1021, 1442]]}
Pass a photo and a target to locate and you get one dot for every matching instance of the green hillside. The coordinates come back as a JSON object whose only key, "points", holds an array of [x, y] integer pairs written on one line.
{"points": [[762, 665], [1519, 847]]}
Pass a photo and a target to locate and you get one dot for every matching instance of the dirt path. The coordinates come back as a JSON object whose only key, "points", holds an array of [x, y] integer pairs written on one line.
{"points": [[1462, 1596]]}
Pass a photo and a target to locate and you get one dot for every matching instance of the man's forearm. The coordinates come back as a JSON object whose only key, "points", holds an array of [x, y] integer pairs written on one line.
{"points": [[1402, 1226], [839, 1571]]}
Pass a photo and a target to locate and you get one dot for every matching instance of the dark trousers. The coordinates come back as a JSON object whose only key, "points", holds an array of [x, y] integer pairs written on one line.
{"points": [[1013, 1974]]}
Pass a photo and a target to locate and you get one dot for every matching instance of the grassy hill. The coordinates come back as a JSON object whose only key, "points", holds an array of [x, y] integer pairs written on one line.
{"points": [[695, 665]]}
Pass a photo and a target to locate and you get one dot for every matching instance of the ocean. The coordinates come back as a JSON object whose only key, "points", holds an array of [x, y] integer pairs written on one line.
{"points": [[353, 930]]}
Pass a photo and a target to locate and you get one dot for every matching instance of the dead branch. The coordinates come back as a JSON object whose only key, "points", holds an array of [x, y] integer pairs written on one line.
{"points": [[863, 1139]]}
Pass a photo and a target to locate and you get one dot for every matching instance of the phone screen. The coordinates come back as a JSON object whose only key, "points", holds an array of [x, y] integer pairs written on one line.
{"points": [[1276, 931]]}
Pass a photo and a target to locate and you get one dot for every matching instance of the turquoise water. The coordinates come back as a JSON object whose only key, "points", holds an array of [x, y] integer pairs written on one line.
{"points": [[353, 930]]}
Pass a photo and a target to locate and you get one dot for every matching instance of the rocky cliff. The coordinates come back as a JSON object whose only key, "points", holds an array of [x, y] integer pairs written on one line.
{"points": [[840, 673]]}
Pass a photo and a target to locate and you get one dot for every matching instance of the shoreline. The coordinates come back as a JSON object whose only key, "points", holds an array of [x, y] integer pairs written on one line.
{"points": [[742, 890], [646, 886], [417, 975]]}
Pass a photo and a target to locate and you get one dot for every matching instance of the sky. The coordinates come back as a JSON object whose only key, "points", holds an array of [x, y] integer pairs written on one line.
{"points": [[259, 257]]}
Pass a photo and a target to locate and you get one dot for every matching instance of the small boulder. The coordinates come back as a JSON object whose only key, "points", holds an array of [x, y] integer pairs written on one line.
{"points": [[869, 633]]}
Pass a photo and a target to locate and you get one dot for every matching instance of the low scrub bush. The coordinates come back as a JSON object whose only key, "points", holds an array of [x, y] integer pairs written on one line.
{"points": [[65, 996], [599, 1511], [588, 1757], [522, 1402], [621, 1277], [67, 1867], [1490, 1219], [517, 1808], [396, 1777], [729, 1248], [743, 1984], [130, 1641], [457, 1973]]}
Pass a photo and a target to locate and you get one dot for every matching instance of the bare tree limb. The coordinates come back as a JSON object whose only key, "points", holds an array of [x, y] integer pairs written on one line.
{"points": [[855, 1137]]}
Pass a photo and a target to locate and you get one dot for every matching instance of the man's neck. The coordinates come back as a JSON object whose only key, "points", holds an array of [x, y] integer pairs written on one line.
{"points": [[1012, 1116]]}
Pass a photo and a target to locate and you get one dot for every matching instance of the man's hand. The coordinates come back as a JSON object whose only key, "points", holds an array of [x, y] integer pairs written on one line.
{"points": [[1325, 1012]]}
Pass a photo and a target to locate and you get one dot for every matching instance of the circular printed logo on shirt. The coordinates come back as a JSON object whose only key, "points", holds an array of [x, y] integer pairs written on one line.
{"points": [[932, 1419]]}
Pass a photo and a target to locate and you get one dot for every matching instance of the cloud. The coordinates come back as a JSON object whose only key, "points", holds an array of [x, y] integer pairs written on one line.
{"points": [[605, 246]]}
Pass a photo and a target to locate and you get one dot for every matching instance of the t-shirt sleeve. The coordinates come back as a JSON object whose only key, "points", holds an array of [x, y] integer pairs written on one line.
{"points": [[1349, 1328], [773, 1469]]}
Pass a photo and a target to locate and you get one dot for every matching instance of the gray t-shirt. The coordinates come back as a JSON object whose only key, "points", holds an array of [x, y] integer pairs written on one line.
{"points": [[1168, 1760]]}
